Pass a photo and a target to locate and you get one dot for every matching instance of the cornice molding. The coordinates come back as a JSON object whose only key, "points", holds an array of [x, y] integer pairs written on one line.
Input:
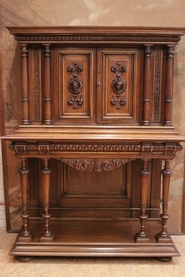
{"points": [[100, 38]]}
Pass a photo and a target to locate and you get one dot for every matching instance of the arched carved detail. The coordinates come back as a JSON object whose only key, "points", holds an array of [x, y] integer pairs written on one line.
{"points": [[95, 164]]}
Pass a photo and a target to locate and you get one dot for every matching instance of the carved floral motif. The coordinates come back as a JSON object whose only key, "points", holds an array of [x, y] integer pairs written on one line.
{"points": [[95, 164], [75, 85], [118, 85]]}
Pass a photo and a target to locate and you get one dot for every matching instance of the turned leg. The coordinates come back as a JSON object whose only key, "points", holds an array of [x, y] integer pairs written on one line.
{"points": [[46, 236], [144, 173], [23, 171], [166, 172]]}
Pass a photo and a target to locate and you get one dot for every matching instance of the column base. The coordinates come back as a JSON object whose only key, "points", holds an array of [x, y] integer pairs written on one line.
{"points": [[160, 238], [138, 238], [27, 238], [47, 239]]}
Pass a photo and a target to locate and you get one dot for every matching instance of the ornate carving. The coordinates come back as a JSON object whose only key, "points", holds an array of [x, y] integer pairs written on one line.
{"points": [[60, 37], [95, 164], [164, 148], [148, 50], [171, 51], [157, 86], [24, 50], [118, 85], [47, 51], [75, 85], [37, 96]]}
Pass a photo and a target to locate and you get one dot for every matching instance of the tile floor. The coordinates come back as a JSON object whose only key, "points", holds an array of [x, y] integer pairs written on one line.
{"points": [[89, 267]]}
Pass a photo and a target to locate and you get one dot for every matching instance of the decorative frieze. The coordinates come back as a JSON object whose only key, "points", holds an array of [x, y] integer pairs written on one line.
{"points": [[123, 38], [49, 148], [95, 164]]}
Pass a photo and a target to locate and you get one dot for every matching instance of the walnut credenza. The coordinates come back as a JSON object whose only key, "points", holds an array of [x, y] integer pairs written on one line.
{"points": [[97, 109]]}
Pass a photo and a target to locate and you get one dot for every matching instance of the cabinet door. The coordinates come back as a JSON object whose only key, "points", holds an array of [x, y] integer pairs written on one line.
{"points": [[73, 85], [119, 86]]}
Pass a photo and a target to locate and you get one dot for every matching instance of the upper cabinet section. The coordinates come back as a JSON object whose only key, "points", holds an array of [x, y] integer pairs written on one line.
{"points": [[97, 75]]}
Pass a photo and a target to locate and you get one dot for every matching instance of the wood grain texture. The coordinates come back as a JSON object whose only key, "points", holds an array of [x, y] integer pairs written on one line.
{"points": [[107, 143], [36, 12]]}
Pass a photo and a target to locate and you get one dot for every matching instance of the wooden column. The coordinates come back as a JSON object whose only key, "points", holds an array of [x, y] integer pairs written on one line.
{"points": [[47, 84], [147, 89], [24, 84], [169, 86], [144, 172], [46, 236], [25, 234], [163, 236]]}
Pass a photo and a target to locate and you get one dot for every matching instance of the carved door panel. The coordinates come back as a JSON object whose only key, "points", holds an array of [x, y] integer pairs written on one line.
{"points": [[74, 85], [119, 86]]}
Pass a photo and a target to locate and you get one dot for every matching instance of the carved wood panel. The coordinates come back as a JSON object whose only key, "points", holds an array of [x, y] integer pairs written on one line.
{"points": [[119, 86], [73, 79], [35, 85], [157, 86]]}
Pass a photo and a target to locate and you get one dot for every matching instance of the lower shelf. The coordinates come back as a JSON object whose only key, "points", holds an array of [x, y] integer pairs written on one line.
{"points": [[94, 238]]}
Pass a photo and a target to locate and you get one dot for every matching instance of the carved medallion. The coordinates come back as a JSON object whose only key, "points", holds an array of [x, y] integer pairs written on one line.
{"points": [[118, 85], [75, 85]]}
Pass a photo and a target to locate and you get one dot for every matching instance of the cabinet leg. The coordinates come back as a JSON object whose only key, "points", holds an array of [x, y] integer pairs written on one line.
{"points": [[47, 235], [144, 173], [23, 171], [163, 236]]}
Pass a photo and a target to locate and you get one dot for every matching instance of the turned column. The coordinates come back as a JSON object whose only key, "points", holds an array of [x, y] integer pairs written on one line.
{"points": [[24, 84], [169, 87], [147, 89], [23, 171], [144, 180], [46, 189], [166, 172], [47, 84]]}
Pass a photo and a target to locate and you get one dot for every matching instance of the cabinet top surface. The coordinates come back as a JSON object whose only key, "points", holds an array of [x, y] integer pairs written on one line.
{"points": [[95, 29], [98, 33]]}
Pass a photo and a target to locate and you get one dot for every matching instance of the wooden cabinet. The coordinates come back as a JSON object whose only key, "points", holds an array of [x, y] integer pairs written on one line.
{"points": [[96, 126]]}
